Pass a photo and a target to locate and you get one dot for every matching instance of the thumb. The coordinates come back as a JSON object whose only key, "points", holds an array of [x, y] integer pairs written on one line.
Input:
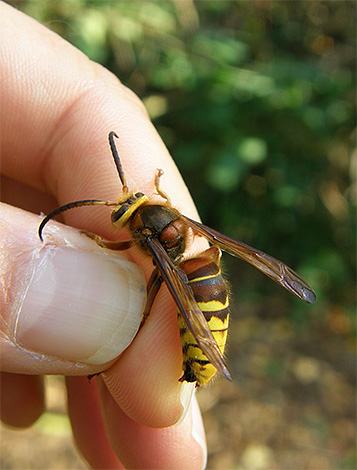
{"points": [[67, 306]]}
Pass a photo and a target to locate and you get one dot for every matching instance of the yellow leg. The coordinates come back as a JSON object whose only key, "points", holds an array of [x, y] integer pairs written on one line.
{"points": [[159, 191]]}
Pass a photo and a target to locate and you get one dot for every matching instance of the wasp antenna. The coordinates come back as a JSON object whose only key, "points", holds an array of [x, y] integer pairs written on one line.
{"points": [[71, 205], [117, 161]]}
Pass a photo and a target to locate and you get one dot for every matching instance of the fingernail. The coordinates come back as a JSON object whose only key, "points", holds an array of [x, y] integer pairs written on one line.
{"points": [[193, 415], [197, 431], [80, 306], [187, 389]]}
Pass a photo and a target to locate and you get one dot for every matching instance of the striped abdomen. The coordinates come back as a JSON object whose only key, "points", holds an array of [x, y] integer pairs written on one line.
{"points": [[210, 291]]}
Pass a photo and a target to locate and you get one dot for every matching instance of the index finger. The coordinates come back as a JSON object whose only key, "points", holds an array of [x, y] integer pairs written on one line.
{"points": [[60, 107]]}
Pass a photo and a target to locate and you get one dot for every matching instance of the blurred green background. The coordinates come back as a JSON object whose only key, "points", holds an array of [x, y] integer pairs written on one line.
{"points": [[256, 102]]}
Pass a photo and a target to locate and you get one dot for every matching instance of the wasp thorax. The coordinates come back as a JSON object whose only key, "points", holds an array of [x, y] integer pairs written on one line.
{"points": [[124, 210], [162, 223], [173, 237]]}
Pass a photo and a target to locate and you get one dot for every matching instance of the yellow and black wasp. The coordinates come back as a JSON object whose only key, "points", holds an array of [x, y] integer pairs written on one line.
{"points": [[196, 284]]}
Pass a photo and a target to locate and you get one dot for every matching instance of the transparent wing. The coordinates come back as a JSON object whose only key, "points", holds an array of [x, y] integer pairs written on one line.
{"points": [[186, 303], [273, 268]]}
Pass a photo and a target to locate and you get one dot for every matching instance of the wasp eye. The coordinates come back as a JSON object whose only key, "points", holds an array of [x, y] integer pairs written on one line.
{"points": [[118, 213], [137, 195]]}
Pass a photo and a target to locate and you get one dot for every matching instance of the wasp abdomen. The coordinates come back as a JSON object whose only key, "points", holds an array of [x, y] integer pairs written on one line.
{"points": [[210, 292]]}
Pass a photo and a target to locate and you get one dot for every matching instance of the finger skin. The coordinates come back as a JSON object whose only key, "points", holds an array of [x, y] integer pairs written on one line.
{"points": [[55, 140], [137, 446], [167, 448], [20, 195], [87, 424], [145, 381], [22, 399]]}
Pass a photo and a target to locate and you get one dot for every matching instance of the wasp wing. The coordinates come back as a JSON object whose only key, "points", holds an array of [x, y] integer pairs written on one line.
{"points": [[273, 268], [176, 282]]}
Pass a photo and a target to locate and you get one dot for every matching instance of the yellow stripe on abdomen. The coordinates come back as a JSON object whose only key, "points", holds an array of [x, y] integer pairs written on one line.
{"points": [[211, 295]]}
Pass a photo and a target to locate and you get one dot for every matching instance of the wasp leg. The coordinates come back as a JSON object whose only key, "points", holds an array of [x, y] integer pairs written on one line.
{"points": [[153, 287], [110, 245], [159, 191], [90, 376]]}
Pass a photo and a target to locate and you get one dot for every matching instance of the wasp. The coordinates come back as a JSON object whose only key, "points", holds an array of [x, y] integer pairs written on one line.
{"points": [[196, 284]]}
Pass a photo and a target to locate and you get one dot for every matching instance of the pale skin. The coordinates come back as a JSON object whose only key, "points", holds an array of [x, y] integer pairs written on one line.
{"points": [[58, 110]]}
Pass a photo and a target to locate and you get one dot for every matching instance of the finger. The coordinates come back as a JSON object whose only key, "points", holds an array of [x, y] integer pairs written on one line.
{"points": [[87, 424], [136, 446], [20, 195], [22, 399], [145, 381], [56, 139], [66, 306]]}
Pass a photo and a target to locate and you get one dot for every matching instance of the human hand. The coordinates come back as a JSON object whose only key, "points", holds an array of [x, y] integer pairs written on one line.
{"points": [[57, 110]]}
